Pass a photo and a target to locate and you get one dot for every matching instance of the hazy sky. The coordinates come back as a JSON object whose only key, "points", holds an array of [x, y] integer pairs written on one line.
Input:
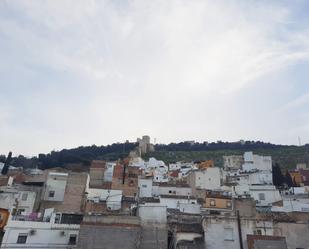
{"points": [[89, 72]]}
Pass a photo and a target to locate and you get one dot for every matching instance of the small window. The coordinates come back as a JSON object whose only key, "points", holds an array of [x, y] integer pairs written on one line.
{"points": [[228, 234], [212, 202], [144, 186], [51, 194], [24, 197], [72, 239], [57, 219], [22, 238], [20, 211], [261, 196], [258, 232]]}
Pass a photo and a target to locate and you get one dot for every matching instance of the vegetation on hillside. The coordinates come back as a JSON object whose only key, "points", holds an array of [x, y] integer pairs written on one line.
{"points": [[286, 156]]}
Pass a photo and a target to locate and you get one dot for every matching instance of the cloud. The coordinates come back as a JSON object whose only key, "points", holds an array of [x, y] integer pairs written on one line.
{"points": [[104, 71]]}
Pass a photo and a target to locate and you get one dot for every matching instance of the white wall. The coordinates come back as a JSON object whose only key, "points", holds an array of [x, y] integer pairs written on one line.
{"points": [[262, 177], [253, 162], [190, 208], [112, 197], [145, 187], [209, 178], [171, 190], [293, 204], [270, 193], [25, 200], [55, 182], [108, 173], [46, 234], [174, 203], [223, 233], [160, 177], [152, 213]]}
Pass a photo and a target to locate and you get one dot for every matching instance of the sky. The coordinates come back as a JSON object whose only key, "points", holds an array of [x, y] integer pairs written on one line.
{"points": [[75, 72]]}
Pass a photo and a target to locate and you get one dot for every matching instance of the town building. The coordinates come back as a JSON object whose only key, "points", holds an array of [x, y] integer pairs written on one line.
{"points": [[65, 192], [210, 179], [96, 173], [60, 231]]}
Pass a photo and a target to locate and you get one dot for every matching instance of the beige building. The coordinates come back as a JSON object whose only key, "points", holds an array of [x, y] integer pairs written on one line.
{"points": [[73, 200], [96, 173]]}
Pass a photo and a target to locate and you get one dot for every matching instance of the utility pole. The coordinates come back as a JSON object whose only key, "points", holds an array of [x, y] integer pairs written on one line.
{"points": [[241, 246]]}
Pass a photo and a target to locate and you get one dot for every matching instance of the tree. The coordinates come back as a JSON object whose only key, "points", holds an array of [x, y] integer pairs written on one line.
{"points": [[288, 179], [278, 178]]}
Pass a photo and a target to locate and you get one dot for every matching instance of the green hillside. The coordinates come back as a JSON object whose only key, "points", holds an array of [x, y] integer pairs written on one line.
{"points": [[287, 156]]}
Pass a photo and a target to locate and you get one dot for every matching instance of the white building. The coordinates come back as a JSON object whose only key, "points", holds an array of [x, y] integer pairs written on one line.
{"points": [[112, 197], [255, 162], [22, 201], [183, 167], [209, 178], [185, 204], [55, 186], [160, 175], [293, 203], [152, 213], [264, 195], [171, 189], [222, 232], [137, 162], [249, 178], [39, 234], [233, 162], [145, 187], [254, 178], [148, 188], [109, 170], [155, 164]]}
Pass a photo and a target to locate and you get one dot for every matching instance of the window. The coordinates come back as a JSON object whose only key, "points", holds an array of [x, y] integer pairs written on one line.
{"points": [[212, 202], [72, 239], [144, 186], [261, 196], [22, 238], [258, 232], [57, 218], [228, 234], [20, 211], [51, 194], [24, 196]]}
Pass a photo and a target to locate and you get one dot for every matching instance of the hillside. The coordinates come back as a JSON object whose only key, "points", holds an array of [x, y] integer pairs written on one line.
{"points": [[286, 156]]}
